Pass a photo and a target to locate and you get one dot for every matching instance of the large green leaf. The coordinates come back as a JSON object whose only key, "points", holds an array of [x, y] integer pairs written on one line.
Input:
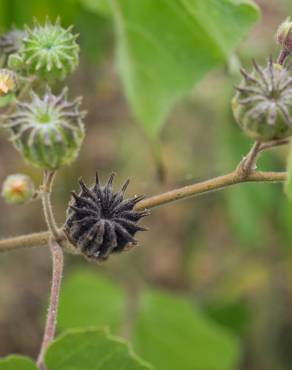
{"points": [[173, 334], [89, 299], [91, 350], [164, 47], [16, 362], [97, 6], [168, 331]]}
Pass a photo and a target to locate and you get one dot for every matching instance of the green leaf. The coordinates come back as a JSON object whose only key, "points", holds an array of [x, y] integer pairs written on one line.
{"points": [[16, 362], [173, 334], [97, 6], [88, 299], [164, 47], [88, 24], [288, 183], [91, 350]]}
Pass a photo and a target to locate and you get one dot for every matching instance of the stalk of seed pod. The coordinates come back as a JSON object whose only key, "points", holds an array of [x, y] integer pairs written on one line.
{"points": [[101, 222], [284, 39]]}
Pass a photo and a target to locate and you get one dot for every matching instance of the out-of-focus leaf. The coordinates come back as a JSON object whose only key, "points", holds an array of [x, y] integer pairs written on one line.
{"points": [[95, 35], [233, 315], [16, 362], [98, 6], [15, 12], [173, 334], [288, 183], [164, 47], [92, 350], [89, 299]]}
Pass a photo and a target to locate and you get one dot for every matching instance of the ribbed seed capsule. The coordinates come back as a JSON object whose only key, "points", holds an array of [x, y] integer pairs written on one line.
{"points": [[100, 221], [49, 51], [263, 103], [48, 131]]}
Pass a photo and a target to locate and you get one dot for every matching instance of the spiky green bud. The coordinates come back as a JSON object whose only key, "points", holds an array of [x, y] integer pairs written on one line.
{"points": [[263, 103], [284, 35], [49, 51], [17, 189], [11, 42], [48, 131]]}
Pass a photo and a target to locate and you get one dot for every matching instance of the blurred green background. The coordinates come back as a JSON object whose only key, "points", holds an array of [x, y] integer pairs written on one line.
{"points": [[229, 253]]}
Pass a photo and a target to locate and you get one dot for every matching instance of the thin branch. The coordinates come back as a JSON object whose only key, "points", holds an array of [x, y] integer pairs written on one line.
{"points": [[248, 164], [57, 269], [208, 186], [50, 328], [221, 182], [273, 144], [46, 190], [40, 239]]}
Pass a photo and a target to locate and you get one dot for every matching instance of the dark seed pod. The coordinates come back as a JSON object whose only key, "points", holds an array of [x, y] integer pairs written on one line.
{"points": [[263, 103], [100, 221]]}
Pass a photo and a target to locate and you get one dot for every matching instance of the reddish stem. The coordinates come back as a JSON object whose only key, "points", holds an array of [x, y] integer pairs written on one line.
{"points": [[49, 333]]}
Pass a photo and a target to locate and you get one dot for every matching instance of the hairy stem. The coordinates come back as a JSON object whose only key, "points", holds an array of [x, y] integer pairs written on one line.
{"points": [[49, 177], [248, 164], [57, 269], [50, 328], [208, 186], [273, 144], [282, 56]]}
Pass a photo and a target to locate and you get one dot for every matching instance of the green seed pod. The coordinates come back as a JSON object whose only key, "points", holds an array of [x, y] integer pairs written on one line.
{"points": [[263, 104], [8, 82], [284, 35], [15, 62], [50, 51], [47, 131], [18, 189], [11, 42]]}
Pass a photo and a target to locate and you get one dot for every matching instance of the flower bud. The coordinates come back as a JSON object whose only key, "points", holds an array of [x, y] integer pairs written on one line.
{"points": [[8, 82], [284, 35], [17, 189], [263, 104], [48, 131]]}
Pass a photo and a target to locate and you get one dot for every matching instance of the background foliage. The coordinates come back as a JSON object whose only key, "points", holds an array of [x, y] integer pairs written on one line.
{"points": [[209, 285]]}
